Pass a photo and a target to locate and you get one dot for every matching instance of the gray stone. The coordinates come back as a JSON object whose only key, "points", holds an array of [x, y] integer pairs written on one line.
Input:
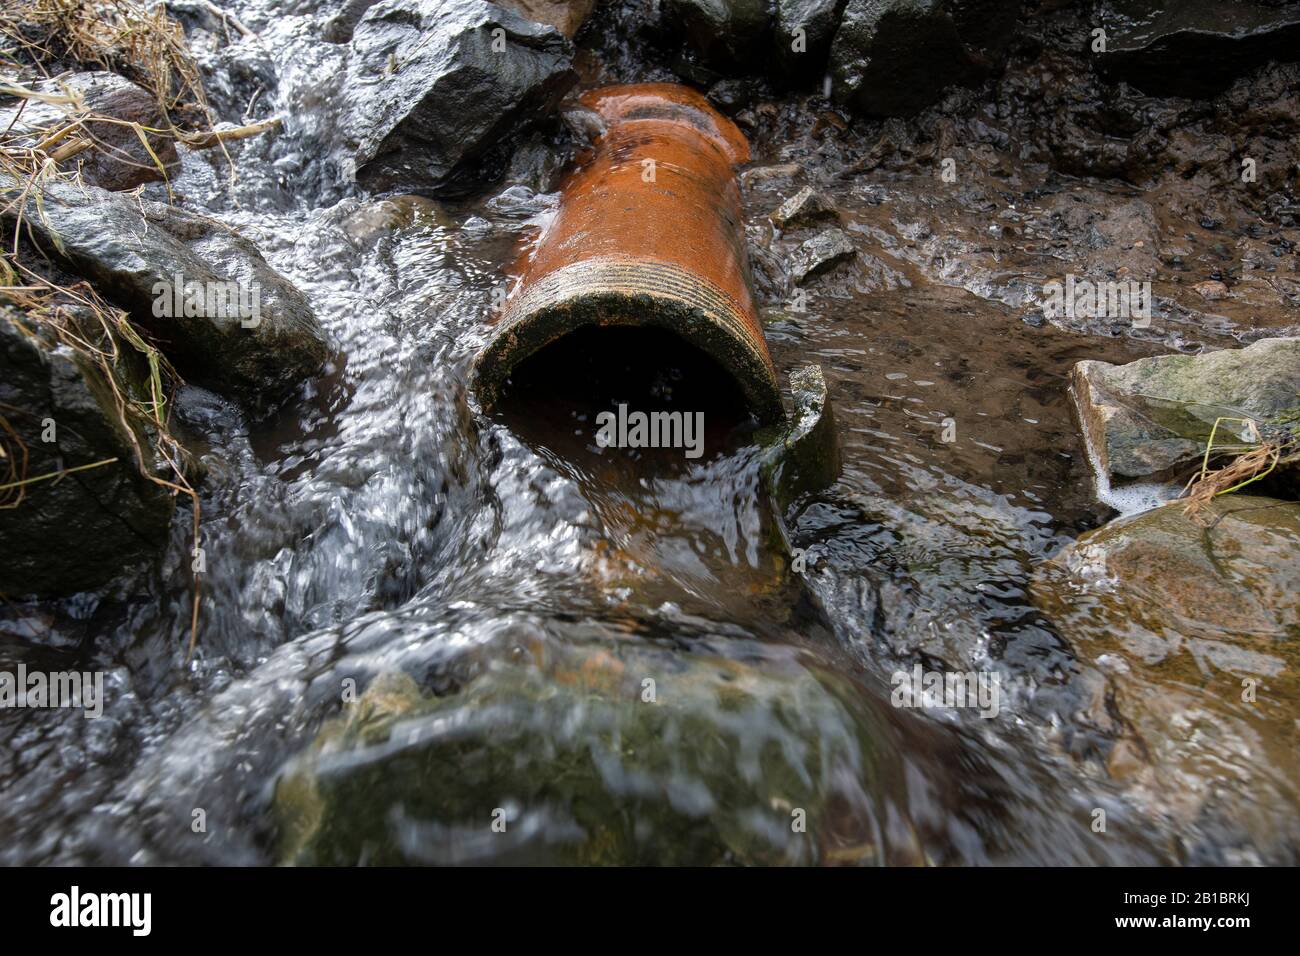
{"points": [[986, 27], [437, 89], [819, 19], [805, 455], [725, 34], [820, 253], [895, 57], [132, 252], [1152, 418], [340, 26], [1192, 624], [1232, 570], [803, 208]]}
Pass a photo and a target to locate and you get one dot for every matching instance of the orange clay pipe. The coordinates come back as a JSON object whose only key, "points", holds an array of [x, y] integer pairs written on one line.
{"points": [[648, 232]]}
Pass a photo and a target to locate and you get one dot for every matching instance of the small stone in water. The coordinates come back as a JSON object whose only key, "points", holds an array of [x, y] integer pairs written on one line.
{"points": [[820, 253], [1211, 290], [803, 208]]}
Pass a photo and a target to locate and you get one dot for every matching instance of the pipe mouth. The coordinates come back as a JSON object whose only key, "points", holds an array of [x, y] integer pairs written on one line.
{"points": [[622, 403], [613, 292]]}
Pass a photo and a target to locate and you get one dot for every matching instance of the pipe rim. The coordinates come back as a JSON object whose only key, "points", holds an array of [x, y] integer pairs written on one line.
{"points": [[612, 292]]}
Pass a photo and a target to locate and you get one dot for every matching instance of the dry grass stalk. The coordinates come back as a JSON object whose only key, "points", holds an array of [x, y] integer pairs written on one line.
{"points": [[1250, 463], [77, 317], [126, 37]]}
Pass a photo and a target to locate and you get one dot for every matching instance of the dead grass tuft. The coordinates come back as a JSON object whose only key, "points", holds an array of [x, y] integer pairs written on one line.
{"points": [[1277, 443], [77, 317], [126, 37]]}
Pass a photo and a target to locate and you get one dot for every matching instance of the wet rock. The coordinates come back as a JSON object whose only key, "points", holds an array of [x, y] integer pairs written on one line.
{"points": [[257, 339], [803, 57], [1230, 573], [540, 161], [805, 457], [567, 16], [761, 177], [340, 27], [1194, 624], [732, 95], [565, 748], [1072, 121], [83, 530], [725, 34], [369, 223], [805, 207], [1152, 418], [584, 125], [416, 65], [819, 254], [1117, 239], [1211, 290], [1195, 47], [895, 57], [986, 27], [117, 159]]}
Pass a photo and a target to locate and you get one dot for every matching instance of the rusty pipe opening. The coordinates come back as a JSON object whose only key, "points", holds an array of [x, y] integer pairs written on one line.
{"points": [[554, 400], [648, 233]]}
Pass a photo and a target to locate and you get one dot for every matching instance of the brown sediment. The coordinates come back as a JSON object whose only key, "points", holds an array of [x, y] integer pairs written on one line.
{"points": [[648, 232]]}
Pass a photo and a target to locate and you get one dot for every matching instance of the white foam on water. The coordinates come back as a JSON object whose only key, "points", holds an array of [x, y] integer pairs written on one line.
{"points": [[1129, 499]]}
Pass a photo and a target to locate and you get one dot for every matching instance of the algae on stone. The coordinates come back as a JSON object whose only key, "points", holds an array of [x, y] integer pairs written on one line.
{"points": [[1152, 418], [578, 762]]}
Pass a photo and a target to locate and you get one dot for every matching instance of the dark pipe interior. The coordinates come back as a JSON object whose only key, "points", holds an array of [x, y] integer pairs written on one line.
{"points": [[554, 397]]}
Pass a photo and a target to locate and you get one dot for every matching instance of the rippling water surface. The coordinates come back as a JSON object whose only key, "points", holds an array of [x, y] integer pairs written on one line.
{"points": [[501, 595]]}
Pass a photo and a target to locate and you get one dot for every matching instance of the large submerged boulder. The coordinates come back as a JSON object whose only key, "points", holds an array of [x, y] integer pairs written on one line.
{"points": [[1194, 626], [214, 306], [58, 409], [437, 88], [1230, 573], [577, 755], [1194, 47], [1151, 419]]}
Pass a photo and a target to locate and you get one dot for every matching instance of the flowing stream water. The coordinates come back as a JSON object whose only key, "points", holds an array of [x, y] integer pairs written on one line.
{"points": [[525, 579]]}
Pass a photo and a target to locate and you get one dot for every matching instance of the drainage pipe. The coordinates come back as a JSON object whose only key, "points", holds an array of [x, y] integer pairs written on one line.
{"points": [[648, 232]]}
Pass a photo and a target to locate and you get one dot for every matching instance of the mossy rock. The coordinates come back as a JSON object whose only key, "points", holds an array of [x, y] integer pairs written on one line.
{"points": [[566, 750], [1151, 419]]}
